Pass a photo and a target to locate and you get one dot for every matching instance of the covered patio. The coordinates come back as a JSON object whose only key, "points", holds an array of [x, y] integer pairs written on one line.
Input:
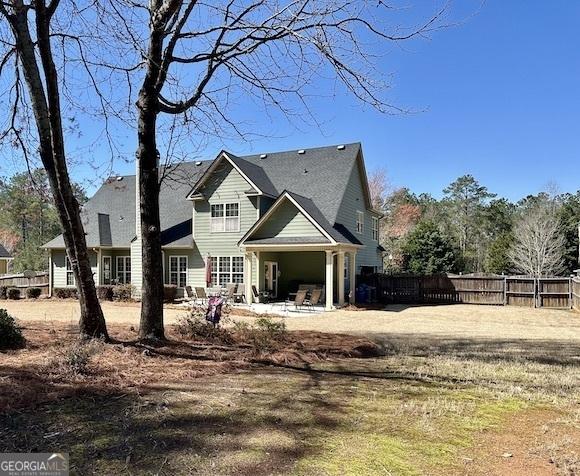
{"points": [[280, 270]]}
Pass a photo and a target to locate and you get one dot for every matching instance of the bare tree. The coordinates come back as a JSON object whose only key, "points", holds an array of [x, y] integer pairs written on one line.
{"points": [[538, 248], [201, 58], [30, 52]]}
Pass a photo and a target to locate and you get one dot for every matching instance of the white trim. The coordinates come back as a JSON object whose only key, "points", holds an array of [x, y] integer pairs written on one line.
{"points": [[67, 263], [375, 221], [50, 272], [225, 203], [127, 258], [257, 207], [256, 226], [179, 272], [110, 258], [222, 155], [360, 214]]}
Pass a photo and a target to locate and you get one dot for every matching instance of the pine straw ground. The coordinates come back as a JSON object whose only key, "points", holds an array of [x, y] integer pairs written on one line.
{"points": [[308, 406]]}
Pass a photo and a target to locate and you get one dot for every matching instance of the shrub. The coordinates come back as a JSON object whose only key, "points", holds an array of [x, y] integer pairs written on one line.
{"points": [[105, 293], [265, 335], [122, 292], [13, 293], [10, 334], [74, 359], [66, 293], [33, 293], [3, 292], [195, 326], [169, 292]]}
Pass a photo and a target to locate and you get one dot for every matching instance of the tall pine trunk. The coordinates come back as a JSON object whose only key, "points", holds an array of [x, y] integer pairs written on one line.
{"points": [[47, 115]]}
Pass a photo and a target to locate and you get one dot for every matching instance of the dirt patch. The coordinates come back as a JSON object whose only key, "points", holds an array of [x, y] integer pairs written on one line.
{"points": [[538, 442], [35, 374]]}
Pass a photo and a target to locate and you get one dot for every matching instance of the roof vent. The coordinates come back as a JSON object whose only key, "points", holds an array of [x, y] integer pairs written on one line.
{"points": [[340, 147], [121, 217], [305, 171], [119, 178], [263, 156], [301, 151], [198, 163]]}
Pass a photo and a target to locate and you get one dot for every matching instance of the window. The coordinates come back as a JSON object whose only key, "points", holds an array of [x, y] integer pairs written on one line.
{"points": [[360, 218], [70, 275], [375, 229], [124, 269], [106, 270], [227, 269], [178, 271], [225, 217]]}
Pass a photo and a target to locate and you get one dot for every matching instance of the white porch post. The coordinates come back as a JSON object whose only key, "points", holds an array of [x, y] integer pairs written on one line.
{"points": [[248, 277], [329, 279], [340, 277], [258, 272], [352, 276]]}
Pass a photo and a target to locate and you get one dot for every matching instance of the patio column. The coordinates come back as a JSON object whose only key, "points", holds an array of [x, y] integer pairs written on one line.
{"points": [[248, 277], [329, 279], [340, 277], [352, 276], [258, 272]]}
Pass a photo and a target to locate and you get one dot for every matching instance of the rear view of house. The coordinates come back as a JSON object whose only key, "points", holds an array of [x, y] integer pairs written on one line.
{"points": [[272, 220]]}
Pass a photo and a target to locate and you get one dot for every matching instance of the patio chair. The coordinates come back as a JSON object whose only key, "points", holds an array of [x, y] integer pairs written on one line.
{"points": [[200, 295], [262, 296], [314, 299], [230, 291], [189, 294], [298, 300], [240, 294]]}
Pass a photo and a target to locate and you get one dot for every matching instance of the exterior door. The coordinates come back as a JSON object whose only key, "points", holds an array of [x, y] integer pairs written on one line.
{"points": [[107, 269], [271, 277]]}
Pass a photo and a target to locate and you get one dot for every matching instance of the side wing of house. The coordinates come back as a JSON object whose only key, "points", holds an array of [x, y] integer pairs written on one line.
{"points": [[228, 209], [62, 275], [354, 207]]}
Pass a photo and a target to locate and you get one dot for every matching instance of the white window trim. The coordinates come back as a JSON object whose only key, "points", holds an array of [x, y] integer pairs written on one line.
{"points": [[178, 272], [217, 271], [125, 272], [69, 270], [224, 204], [103, 259], [375, 228], [360, 220]]}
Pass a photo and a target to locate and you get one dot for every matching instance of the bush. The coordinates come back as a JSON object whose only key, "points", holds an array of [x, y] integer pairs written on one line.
{"points": [[266, 334], [10, 334], [195, 326], [33, 293], [122, 292], [66, 293], [169, 292], [105, 293], [3, 292], [13, 293], [74, 359]]}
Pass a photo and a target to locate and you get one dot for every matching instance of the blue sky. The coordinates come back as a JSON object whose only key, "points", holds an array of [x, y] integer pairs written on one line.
{"points": [[499, 96]]}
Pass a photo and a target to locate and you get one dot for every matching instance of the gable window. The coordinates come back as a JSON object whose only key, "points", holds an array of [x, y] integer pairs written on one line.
{"points": [[225, 217], [124, 269], [227, 269], [70, 275], [178, 271], [360, 218], [375, 229]]}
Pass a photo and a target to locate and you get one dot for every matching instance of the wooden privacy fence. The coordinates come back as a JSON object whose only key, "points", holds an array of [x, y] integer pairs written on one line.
{"points": [[552, 292], [23, 281]]}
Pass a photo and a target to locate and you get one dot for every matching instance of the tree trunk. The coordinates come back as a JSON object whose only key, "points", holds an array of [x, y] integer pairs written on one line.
{"points": [[48, 121]]}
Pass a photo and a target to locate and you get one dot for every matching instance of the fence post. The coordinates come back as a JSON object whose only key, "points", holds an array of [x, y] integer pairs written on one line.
{"points": [[505, 290], [537, 304]]}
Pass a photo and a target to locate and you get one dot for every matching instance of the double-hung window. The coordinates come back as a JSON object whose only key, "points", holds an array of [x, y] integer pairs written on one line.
{"points": [[70, 275], [225, 217], [360, 219], [227, 269], [178, 271], [375, 229], [124, 269]]}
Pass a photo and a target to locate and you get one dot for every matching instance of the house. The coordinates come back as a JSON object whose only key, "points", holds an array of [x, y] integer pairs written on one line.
{"points": [[5, 258], [272, 220]]}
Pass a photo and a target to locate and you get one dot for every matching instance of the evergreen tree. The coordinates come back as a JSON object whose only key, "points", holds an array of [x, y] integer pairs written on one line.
{"points": [[428, 251]]}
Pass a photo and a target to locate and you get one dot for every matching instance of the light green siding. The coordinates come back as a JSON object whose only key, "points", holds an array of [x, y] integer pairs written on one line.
{"points": [[225, 186], [353, 201], [59, 267], [286, 221]]}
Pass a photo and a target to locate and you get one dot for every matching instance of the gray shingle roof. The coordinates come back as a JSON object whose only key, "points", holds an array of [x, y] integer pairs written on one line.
{"points": [[321, 174], [4, 253]]}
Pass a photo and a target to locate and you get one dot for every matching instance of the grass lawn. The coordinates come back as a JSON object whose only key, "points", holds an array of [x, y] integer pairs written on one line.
{"points": [[432, 404]]}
